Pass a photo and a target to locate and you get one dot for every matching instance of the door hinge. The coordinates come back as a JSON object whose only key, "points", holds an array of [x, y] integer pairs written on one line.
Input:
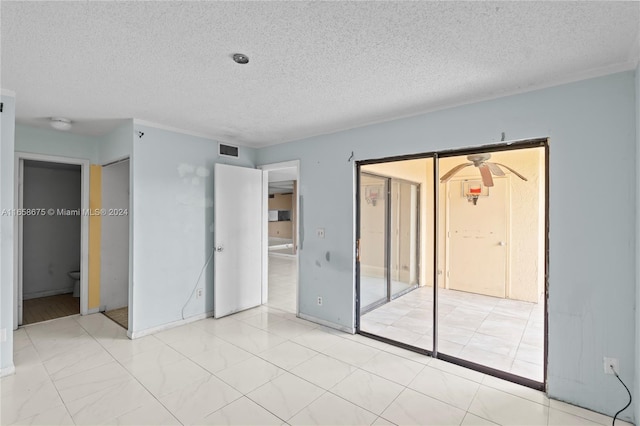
{"points": [[1, 106]]}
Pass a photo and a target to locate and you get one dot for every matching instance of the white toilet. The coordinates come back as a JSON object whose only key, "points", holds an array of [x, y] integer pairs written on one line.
{"points": [[75, 275]]}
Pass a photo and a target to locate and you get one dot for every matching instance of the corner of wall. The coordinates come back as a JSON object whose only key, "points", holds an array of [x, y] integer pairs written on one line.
{"points": [[117, 144], [7, 155], [636, 387]]}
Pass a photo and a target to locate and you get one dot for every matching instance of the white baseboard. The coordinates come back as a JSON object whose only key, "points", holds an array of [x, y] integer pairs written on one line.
{"points": [[47, 293], [350, 330], [7, 371], [137, 334]]}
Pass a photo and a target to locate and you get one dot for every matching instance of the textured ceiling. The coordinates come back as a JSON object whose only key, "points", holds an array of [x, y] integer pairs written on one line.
{"points": [[315, 67]]}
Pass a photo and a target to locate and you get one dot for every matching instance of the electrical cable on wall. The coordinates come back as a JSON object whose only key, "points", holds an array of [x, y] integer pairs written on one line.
{"points": [[629, 392], [196, 284]]}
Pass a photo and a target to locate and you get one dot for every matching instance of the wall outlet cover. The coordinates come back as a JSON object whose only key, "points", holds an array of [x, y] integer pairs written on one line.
{"points": [[608, 362], [320, 232]]}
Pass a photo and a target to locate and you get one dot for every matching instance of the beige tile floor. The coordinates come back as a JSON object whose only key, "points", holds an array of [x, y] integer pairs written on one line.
{"points": [[500, 333], [260, 367]]}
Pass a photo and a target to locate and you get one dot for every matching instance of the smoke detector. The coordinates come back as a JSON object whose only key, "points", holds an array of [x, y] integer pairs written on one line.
{"points": [[240, 58]]}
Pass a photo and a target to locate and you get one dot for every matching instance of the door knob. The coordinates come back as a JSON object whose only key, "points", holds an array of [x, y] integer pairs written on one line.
{"points": [[219, 249]]}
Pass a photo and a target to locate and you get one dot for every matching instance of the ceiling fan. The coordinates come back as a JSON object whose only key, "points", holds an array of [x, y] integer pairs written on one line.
{"points": [[486, 169]]}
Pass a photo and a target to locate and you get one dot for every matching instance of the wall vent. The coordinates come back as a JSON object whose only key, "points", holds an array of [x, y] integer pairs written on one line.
{"points": [[228, 150]]}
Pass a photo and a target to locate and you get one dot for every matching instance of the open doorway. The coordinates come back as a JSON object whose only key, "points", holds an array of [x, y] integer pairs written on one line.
{"points": [[51, 248], [282, 182], [481, 299], [114, 243]]}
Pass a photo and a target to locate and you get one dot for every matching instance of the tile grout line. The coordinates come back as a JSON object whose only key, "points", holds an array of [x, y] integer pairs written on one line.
{"points": [[316, 352], [304, 379], [50, 380], [53, 382], [257, 355], [132, 376], [475, 395]]}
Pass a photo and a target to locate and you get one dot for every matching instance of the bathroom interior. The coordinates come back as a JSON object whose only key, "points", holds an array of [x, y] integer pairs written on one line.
{"points": [[51, 241]]}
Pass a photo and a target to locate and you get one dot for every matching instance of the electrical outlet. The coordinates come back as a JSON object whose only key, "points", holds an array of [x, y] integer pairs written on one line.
{"points": [[319, 301], [320, 232], [608, 362], [198, 293]]}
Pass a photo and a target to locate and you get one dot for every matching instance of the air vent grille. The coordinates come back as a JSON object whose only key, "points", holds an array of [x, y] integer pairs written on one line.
{"points": [[228, 150]]}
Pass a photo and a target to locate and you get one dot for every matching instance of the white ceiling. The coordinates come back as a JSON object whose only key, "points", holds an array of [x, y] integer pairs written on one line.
{"points": [[315, 67]]}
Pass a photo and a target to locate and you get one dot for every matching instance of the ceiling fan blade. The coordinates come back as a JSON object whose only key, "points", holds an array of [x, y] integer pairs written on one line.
{"points": [[512, 171], [495, 169], [445, 178], [487, 180]]}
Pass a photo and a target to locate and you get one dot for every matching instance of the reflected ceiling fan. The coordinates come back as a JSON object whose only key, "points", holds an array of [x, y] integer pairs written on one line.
{"points": [[486, 168]]}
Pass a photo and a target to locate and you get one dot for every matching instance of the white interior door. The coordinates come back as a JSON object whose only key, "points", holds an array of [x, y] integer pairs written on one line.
{"points": [[478, 240], [238, 239]]}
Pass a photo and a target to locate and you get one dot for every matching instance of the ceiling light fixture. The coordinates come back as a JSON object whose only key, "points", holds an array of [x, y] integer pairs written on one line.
{"points": [[60, 123], [240, 58]]}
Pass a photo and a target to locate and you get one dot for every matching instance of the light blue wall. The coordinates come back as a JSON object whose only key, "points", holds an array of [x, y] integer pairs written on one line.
{"points": [[113, 146], [54, 142], [592, 204], [116, 145], [172, 199], [7, 133], [636, 392]]}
